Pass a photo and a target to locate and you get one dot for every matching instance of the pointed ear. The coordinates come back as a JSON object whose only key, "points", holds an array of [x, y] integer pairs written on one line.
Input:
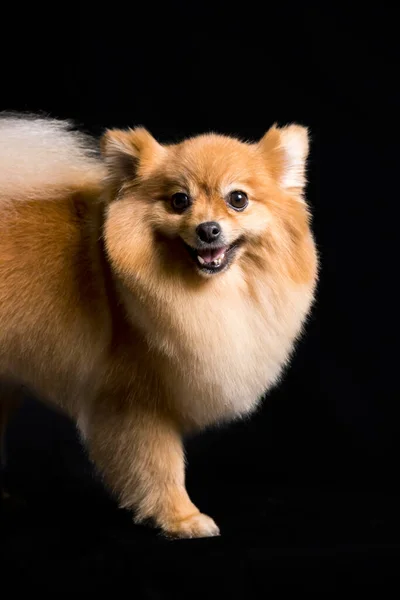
{"points": [[130, 154], [286, 150]]}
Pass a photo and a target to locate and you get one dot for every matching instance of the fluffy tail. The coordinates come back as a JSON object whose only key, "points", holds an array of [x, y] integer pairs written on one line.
{"points": [[40, 156]]}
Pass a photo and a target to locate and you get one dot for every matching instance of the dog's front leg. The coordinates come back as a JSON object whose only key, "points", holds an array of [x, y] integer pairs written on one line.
{"points": [[141, 457]]}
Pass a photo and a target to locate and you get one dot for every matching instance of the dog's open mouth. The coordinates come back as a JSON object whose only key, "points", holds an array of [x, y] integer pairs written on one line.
{"points": [[213, 259]]}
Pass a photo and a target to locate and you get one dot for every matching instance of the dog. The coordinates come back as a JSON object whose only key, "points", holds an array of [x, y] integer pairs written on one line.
{"points": [[151, 290]]}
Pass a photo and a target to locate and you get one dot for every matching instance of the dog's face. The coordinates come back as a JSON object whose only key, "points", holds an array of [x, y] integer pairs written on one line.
{"points": [[213, 199]]}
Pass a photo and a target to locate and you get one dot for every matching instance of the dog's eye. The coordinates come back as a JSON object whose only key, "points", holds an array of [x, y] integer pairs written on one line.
{"points": [[180, 201], [238, 200]]}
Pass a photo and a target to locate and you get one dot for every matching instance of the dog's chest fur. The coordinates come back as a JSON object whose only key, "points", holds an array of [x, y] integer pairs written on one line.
{"points": [[223, 349]]}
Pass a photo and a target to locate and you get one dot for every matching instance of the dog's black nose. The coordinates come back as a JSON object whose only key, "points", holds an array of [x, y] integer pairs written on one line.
{"points": [[208, 232]]}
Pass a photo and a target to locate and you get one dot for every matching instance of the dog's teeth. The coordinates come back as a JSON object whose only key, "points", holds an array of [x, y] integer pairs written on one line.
{"points": [[215, 263]]}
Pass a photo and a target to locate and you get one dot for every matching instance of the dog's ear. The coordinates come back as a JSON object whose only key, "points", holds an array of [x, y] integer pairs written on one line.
{"points": [[286, 151], [130, 154]]}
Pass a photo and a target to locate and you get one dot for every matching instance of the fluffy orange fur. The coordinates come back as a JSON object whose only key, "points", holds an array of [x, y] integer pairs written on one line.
{"points": [[104, 312]]}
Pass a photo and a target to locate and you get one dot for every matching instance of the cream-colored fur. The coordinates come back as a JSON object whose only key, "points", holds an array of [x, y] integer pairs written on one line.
{"points": [[37, 154], [103, 313]]}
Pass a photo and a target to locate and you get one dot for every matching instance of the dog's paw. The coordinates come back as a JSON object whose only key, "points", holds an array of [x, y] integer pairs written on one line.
{"points": [[195, 526]]}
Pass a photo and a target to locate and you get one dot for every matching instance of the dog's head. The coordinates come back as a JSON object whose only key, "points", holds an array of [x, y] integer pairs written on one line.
{"points": [[210, 201]]}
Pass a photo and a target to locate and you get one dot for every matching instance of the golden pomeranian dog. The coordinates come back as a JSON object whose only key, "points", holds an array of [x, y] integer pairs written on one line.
{"points": [[150, 290]]}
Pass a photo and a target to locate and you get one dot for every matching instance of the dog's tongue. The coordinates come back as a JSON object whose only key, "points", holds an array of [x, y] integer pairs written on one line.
{"points": [[210, 255]]}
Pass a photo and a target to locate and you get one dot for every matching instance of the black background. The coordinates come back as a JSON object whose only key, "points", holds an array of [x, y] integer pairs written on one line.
{"points": [[306, 492]]}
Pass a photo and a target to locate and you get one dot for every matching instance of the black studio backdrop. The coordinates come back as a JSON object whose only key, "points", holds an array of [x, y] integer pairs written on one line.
{"points": [[306, 492]]}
